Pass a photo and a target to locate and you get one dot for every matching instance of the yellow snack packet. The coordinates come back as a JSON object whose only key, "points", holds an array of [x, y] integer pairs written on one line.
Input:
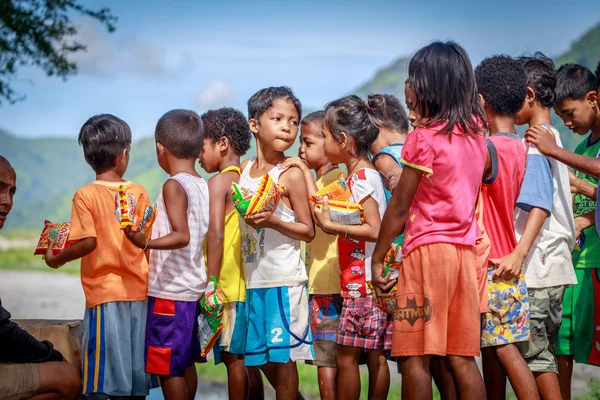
{"points": [[344, 212], [337, 190]]}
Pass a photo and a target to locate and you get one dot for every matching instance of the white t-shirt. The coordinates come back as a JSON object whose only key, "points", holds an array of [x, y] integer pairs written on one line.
{"points": [[270, 258], [181, 274], [549, 260]]}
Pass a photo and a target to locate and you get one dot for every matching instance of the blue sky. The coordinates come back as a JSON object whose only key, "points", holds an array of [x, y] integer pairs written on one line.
{"points": [[205, 54]]}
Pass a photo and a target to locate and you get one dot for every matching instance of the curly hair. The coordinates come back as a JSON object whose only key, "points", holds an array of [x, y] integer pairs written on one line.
{"points": [[574, 82], [541, 77], [230, 123], [389, 111], [502, 82]]}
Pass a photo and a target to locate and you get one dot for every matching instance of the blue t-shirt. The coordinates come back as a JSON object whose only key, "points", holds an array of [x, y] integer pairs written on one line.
{"points": [[395, 151], [537, 189]]}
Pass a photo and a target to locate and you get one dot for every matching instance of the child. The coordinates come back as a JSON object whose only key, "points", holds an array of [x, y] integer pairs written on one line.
{"points": [[393, 128], [502, 85], [444, 159], [325, 303], [349, 132], [177, 272], [577, 104], [276, 295], [114, 272], [226, 139], [546, 266]]}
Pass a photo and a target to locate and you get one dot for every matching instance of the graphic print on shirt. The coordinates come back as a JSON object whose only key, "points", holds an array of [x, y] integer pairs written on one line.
{"points": [[248, 243]]}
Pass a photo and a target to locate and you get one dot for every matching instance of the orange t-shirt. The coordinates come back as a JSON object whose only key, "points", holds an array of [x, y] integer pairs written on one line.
{"points": [[116, 270]]}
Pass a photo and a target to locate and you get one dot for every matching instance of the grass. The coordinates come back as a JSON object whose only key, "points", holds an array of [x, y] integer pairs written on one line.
{"points": [[23, 260]]}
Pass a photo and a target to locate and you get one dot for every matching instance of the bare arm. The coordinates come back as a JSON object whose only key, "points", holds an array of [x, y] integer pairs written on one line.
{"points": [[584, 221], [367, 232], [308, 176], [77, 250], [389, 169], [579, 186], [218, 187]]}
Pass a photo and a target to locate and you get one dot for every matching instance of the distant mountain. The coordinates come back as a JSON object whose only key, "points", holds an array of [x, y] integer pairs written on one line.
{"points": [[585, 51]]}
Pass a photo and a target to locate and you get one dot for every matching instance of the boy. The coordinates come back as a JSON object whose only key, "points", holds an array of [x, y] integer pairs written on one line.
{"points": [[276, 295], [547, 268], [325, 304], [502, 83], [114, 272], [177, 272], [577, 105], [226, 139]]}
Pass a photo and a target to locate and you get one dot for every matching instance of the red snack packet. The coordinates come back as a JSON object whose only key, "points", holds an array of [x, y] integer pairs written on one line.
{"points": [[58, 232]]}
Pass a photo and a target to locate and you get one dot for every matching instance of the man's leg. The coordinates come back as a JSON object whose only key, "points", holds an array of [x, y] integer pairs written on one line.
{"points": [[327, 377], [468, 379], [443, 378], [518, 372], [565, 373], [416, 378], [379, 375], [237, 378], [348, 384]]}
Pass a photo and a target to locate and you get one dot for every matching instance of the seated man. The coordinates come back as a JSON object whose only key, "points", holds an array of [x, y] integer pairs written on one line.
{"points": [[29, 368]]}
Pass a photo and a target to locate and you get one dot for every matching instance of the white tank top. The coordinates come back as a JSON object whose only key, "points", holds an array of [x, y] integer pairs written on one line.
{"points": [[181, 274], [270, 258]]}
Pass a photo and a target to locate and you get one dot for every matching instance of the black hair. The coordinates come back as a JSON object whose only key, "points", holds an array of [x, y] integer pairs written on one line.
{"points": [[230, 123], [598, 75], [4, 162], [573, 81], [351, 116], [313, 117], [181, 132], [541, 77], [502, 82], [103, 137], [262, 100], [441, 75], [388, 109]]}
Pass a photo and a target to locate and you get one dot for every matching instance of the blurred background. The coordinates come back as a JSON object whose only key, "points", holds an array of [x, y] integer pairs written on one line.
{"points": [[139, 59]]}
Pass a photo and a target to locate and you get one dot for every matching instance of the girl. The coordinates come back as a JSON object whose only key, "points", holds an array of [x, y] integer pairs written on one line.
{"points": [[444, 158], [348, 132]]}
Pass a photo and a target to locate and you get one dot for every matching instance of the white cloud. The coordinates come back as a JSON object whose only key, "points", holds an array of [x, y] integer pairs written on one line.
{"points": [[216, 94], [100, 57]]}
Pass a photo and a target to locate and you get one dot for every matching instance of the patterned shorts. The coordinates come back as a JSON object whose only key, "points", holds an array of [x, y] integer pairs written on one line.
{"points": [[363, 324], [545, 305], [507, 320], [324, 318]]}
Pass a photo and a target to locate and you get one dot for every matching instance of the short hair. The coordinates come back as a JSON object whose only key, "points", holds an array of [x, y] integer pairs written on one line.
{"points": [[574, 81], [313, 117], [230, 123], [502, 82], [181, 132], [441, 76], [598, 75], [103, 137], [541, 77], [4, 162], [262, 100], [351, 116], [388, 109]]}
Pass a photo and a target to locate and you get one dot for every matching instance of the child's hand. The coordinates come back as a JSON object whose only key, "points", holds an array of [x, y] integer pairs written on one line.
{"points": [[393, 180], [261, 220], [292, 162], [50, 258], [381, 284], [574, 181], [137, 238], [543, 138], [509, 266], [322, 215]]}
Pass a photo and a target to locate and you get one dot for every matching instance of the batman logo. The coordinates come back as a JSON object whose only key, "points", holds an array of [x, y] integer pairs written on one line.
{"points": [[415, 309]]}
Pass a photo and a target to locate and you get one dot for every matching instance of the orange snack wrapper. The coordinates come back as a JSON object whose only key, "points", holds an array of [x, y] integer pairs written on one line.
{"points": [[144, 215], [337, 190], [124, 207], [266, 198], [58, 232], [344, 212]]}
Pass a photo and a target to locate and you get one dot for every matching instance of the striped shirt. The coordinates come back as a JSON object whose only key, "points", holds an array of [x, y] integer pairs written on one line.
{"points": [[181, 274]]}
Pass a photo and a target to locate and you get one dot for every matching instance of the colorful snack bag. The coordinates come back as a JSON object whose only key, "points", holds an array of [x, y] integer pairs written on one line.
{"points": [[337, 190], [266, 198], [241, 198], [59, 233], [124, 207], [344, 212], [210, 320], [143, 216], [391, 263]]}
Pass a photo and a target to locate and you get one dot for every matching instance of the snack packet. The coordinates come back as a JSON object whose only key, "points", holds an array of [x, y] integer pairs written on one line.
{"points": [[337, 190], [344, 212], [391, 263], [265, 199], [59, 233], [143, 216], [124, 207], [210, 320], [241, 198]]}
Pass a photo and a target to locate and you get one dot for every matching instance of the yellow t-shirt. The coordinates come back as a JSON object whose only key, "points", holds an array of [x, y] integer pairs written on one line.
{"points": [[116, 270], [231, 277], [322, 253]]}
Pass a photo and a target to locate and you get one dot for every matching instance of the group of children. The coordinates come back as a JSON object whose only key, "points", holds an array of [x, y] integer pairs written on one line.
{"points": [[492, 241]]}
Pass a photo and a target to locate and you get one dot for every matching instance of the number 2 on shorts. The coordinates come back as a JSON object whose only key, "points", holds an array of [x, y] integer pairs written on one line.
{"points": [[277, 333]]}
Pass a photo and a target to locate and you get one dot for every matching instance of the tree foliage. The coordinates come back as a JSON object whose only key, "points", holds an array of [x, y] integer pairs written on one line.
{"points": [[41, 33]]}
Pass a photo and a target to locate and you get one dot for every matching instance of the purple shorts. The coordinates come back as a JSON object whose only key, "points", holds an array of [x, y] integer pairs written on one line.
{"points": [[171, 336]]}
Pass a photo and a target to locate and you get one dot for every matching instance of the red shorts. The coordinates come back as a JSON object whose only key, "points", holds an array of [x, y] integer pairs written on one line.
{"points": [[438, 303]]}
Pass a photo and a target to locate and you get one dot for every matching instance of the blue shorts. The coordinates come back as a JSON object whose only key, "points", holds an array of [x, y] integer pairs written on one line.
{"points": [[113, 349], [278, 329], [233, 336]]}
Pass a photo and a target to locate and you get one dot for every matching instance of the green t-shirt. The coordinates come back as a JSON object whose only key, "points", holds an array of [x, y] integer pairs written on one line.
{"points": [[589, 256]]}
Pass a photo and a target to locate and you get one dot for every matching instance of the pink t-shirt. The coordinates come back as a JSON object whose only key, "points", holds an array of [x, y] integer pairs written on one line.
{"points": [[443, 208]]}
